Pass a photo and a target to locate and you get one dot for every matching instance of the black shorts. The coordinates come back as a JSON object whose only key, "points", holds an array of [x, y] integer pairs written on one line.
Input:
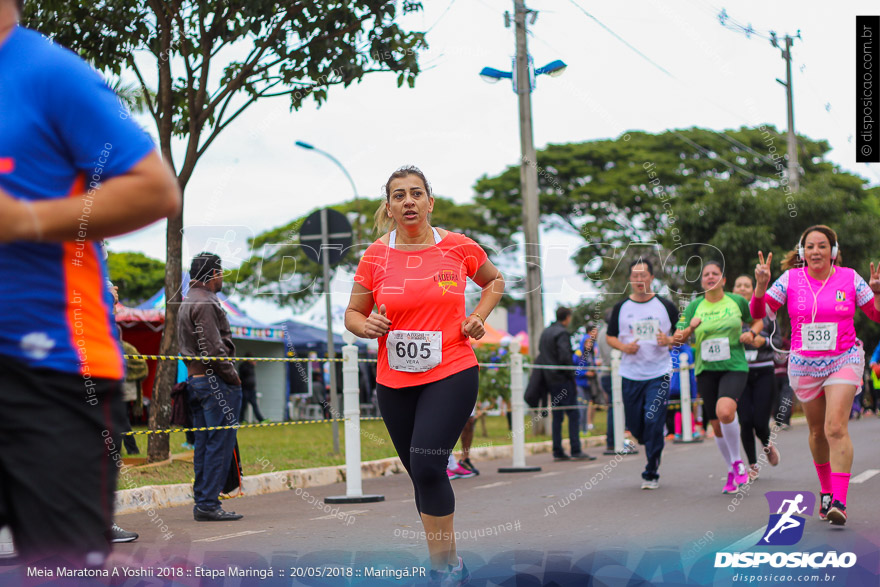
{"points": [[712, 385], [57, 470]]}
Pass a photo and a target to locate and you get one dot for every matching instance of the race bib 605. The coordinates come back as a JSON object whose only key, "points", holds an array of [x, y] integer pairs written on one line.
{"points": [[414, 351]]}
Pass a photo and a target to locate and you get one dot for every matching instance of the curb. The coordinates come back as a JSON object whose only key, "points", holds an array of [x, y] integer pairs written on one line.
{"points": [[151, 497], [129, 501]]}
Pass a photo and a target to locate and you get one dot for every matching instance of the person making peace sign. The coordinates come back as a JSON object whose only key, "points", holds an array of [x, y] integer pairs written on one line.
{"points": [[827, 361]]}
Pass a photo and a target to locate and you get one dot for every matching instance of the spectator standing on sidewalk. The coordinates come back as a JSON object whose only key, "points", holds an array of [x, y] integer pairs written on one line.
{"points": [[213, 386], [554, 348]]}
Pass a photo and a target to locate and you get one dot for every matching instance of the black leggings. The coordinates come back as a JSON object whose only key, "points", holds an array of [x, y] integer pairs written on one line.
{"points": [[424, 422], [713, 385], [754, 410]]}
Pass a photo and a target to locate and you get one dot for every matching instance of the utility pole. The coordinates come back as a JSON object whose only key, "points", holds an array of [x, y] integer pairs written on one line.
{"points": [[748, 31], [793, 171], [528, 175]]}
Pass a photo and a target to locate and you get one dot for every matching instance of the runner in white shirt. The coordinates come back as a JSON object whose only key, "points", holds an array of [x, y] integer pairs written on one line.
{"points": [[640, 327]]}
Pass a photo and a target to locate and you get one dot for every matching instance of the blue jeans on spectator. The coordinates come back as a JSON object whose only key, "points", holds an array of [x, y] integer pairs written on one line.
{"points": [[644, 405], [583, 405], [213, 403], [561, 395], [609, 428]]}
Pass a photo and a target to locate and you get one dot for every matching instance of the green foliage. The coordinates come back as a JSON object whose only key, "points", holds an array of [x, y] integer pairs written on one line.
{"points": [[494, 381], [280, 267], [682, 197], [137, 276], [295, 49]]}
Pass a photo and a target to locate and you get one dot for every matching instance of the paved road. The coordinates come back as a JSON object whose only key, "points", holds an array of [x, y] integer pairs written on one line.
{"points": [[560, 525]]}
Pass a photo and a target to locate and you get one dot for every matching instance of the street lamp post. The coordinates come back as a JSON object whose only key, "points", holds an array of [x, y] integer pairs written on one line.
{"points": [[357, 201], [311, 147], [523, 76], [334, 396]]}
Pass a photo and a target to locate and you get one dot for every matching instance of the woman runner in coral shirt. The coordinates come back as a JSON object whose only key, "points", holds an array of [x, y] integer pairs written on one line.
{"points": [[827, 361], [427, 372]]}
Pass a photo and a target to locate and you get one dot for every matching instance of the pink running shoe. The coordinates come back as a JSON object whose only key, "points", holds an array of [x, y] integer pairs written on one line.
{"points": [[740, 473], [462, 473], [451, 475], [731, 487]]}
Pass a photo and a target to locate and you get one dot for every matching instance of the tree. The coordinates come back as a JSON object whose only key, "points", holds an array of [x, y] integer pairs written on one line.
{"points": [[683, 196], [294, 48], [280, 268], [137, 276]]}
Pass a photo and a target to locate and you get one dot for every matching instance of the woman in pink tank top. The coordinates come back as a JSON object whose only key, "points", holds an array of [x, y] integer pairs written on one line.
{"points": [[827, 360]]}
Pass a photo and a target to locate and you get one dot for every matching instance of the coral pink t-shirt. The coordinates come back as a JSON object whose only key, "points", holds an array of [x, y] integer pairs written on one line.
{"points": [[423, 291]]}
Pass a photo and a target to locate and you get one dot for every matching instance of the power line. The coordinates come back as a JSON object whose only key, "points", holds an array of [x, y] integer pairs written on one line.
{"points": [[836, 126], [436, 22], [736, 143], [692, 143], [714, 156], [662, 69], [736, 26], [793, 167], [622, 40]]}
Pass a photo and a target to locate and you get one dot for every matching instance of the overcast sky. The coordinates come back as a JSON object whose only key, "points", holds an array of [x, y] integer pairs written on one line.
{"points": [[457, 128]]}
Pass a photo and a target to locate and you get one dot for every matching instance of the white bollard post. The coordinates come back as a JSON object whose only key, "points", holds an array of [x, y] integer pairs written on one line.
{"points": [[686, 407], [517, 413], [352, 414], [617, 401]]}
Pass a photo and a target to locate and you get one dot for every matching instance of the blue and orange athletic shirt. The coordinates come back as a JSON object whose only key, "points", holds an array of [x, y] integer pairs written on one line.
{"points": [[62, 133]]}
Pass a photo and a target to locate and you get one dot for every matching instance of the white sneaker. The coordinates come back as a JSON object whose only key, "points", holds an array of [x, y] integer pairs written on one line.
{"points": [[650, 484]]}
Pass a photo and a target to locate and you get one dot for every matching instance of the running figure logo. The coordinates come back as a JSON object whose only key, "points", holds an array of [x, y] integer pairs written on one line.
{"points": [[786, 527]]}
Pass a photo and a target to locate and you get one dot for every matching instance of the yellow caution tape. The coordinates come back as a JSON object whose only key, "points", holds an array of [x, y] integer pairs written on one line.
{"points": [[237, 426]]}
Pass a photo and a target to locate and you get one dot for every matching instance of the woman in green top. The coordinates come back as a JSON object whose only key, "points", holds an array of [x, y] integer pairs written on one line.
{"points": [[716, 318]]}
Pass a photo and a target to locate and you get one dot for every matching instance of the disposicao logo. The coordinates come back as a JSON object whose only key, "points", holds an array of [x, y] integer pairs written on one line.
{"points": [[786, 528]]}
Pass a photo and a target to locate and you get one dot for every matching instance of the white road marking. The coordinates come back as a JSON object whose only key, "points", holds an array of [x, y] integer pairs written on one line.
{"points": [[747, 542], [862, 477], [336, 516], [550, 474], [591, 466], [498, 484], [225, 536]]}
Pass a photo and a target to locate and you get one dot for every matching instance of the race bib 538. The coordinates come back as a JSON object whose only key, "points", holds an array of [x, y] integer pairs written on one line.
{"points": [[819, 336]]}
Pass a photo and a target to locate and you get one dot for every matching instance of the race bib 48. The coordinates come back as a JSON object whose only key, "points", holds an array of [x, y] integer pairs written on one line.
{"points": [[715, 349]]}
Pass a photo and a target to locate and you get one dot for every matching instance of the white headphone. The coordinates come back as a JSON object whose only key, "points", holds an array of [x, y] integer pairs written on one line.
{"points": [[800, 251]]}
